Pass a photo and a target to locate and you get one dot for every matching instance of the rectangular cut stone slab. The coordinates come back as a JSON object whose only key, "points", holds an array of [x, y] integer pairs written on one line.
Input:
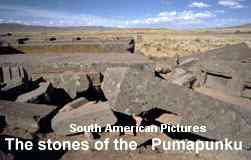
{"points": [[130, 90], [85, 115], [21, 72], [27, 97], [6, 73], [15, 73], [24, 115]]}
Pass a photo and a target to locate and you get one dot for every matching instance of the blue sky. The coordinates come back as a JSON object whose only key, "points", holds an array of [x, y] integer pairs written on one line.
{"points": [[127, 13]]}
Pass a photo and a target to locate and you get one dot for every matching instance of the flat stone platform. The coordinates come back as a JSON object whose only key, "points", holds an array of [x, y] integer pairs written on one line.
{"points": [[75, 57]]}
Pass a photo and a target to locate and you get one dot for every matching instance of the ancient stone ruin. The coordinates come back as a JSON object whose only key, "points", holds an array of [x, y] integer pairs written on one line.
{"points": [[43, 94], [62, 44]]}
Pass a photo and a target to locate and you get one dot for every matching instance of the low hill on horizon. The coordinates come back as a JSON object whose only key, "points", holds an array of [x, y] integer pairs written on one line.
{"points": [[15, 27]]}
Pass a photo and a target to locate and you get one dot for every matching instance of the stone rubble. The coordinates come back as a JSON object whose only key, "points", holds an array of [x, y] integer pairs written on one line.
{"points": [[126, 93], [24, 115], [134, 91]]}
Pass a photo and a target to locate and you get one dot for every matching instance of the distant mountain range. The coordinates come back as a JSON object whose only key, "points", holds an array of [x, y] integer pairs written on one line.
{"points": [[14, 27], [243, 26]]}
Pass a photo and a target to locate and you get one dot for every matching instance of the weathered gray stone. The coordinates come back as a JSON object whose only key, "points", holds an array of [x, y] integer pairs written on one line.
{"points": [[188, 61], [74, 104], [85, 114], [14, 71], [178, 72], [73, 82], [130, 90], [6, 73], [225, 69], [30, 96], [163, 68], [21, 71], [18, 132], [236, 52], [230, 77], [121, 84], [13, 75], [24, 115], [184, 80]]}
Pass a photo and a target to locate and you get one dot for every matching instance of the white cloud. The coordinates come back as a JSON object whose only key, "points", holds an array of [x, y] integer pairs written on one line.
{"points": [[165, 17], [183, 19], [56, 18], [231, 3], [199, 5]]}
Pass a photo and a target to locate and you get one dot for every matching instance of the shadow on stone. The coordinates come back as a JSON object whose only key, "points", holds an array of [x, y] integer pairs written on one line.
{"points": [[3, 123], [93, 93], [13, 93], [9, 50], [149, 118], [57, 97], [124, 120]]}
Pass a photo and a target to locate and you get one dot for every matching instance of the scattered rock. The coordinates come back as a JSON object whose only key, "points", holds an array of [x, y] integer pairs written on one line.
{"points": [[163, 68], [24, 115], [185, 80], [178, 72], [175, 74], [33, 95], [73, 83], [130, 90]]}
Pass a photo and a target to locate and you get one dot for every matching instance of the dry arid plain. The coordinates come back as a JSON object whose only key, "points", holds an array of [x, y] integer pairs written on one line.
{"points": [[52, 77], [151, 42]]}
